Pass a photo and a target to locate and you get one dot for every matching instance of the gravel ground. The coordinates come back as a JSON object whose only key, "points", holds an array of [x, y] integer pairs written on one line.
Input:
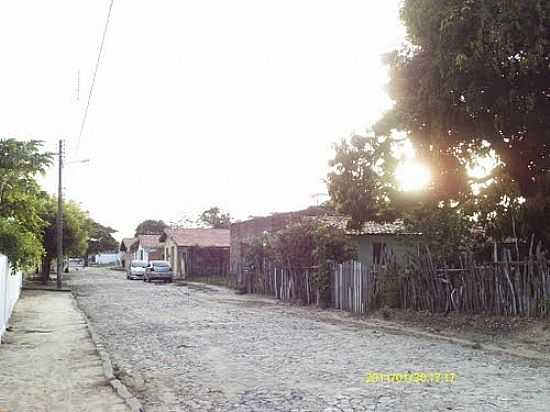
{"points": [[203, 348]]}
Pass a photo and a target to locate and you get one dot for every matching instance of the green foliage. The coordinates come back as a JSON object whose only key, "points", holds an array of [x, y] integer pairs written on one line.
{"points": [[360, 180], [21, 200], [215, 218], [23, 249], [446, 231], [151, 227], [306, 245], [475, 71], [473, 78], [257, 251], [515, 218], [100, 238], [75, 229], [20, 162]]}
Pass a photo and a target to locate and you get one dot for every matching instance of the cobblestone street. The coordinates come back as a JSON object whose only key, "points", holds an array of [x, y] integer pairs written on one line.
{"points": [[205, 348]]}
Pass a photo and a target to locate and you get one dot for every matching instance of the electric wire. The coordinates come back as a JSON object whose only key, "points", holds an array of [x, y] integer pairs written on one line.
{"points": [[98, 62]]}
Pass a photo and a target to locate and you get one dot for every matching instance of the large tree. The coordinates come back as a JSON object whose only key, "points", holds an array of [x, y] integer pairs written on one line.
{"points": [[475, 71], [75, 233], [100, 239], [151, 227], [360, 180], [215, 218], [362, 184], [21, 200]]}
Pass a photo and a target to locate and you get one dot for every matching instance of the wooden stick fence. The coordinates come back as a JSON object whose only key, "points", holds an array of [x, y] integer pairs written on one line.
{"points": [[282, 284], [353, 286], [508, 288]]}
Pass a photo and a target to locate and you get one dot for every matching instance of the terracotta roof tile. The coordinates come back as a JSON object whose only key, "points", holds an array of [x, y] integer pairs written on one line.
{"points": [[200, 237], [369, 228], [149, 241], [127, 243]]}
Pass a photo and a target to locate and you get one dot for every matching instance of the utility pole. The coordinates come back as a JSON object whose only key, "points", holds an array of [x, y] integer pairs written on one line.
{"points": [[60, 220]]}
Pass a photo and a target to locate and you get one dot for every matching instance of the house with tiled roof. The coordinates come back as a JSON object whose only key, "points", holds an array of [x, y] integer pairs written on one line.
{"points": [[124, 250], [197, 252], [376, 242], [147, 247]]}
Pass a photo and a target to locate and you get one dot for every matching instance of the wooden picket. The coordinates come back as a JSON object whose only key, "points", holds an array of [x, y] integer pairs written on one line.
{"points": [[508, 288], [353, 287]]}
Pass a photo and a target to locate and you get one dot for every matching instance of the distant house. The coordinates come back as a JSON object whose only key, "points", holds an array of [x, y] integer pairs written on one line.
{"points": [[376, 242], [197, 252], [124, 248], [147, 247]]}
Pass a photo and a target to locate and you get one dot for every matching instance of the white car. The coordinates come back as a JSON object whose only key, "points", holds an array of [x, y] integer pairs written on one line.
{"points": [[136, 269]]}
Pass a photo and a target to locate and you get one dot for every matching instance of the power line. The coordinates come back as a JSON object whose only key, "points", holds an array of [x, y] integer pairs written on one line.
{"points": [[98, 61]]}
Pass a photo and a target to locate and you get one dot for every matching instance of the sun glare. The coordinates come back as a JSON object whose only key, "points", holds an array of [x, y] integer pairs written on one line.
{"points": [[412, 175], [482, 166]]}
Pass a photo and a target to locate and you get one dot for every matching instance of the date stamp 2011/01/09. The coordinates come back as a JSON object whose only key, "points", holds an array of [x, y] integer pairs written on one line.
{"points": [[413, 377]]}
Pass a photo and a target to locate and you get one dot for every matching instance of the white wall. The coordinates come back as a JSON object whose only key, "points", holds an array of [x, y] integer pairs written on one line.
{"points": [[138, 254], [10, 289], [107, 258]]}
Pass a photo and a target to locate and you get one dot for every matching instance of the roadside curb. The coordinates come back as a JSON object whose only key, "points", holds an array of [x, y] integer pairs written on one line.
{"points": [[44, 288], [131, 401], [398, 329]]}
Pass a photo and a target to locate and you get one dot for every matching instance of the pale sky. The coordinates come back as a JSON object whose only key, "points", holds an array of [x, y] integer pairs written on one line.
{"points": [[197, 103]]}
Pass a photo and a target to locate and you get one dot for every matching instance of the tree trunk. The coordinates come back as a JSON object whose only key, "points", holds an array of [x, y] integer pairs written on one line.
{"points": [[46, 263]]}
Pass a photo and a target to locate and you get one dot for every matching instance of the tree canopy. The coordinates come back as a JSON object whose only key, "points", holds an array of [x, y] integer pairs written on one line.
{"points": [[472, 72], [307, 244], [359, 182], [100, 238], [215, 218], [471, 83], [362, 184], [21, 200], [28, 215], [151, 227], [75, 229]]}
